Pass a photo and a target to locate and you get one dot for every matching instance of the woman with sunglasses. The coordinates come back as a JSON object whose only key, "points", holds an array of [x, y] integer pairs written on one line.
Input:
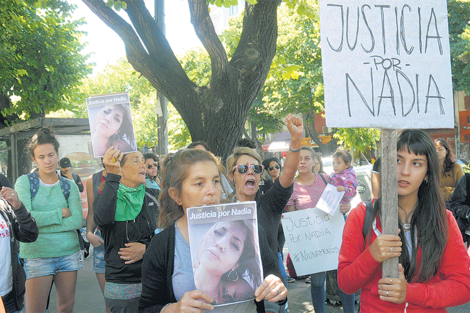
{"points": [[272, 167], [126, 213], [152, 165], [245, 170], [191, 178]]}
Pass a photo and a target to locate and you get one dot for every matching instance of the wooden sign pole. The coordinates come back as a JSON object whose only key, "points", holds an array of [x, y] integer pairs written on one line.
{"points": [[389, 194]]}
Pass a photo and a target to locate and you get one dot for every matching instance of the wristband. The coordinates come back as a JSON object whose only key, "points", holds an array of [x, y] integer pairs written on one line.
{"points": [[294, 150], [163, 309]]}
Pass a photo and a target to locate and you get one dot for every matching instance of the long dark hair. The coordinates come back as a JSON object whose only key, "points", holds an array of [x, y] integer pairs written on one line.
{"points": [[174, 171], [429, 228], [450, 157]]}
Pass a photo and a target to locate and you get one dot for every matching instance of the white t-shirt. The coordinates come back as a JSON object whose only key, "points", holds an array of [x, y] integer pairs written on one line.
{"points": [[6, 274]]}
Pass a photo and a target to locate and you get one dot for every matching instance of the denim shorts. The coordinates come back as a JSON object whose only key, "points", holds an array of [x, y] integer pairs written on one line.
{"points": [[98, 257], [50, 266]]}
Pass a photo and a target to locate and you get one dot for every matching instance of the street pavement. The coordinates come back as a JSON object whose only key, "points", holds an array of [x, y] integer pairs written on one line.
{"points": [[89, 299]]}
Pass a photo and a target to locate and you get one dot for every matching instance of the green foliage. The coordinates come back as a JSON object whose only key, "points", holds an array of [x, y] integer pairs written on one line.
{"points": [[178, 133], [116, 4], [359, 139], [39, 57], [197, 65], [228, 3], [295, 75], [459, 37], [121, 77]]}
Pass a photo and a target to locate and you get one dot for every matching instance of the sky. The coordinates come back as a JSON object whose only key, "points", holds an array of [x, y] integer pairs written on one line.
{"points": [[106, 46]]}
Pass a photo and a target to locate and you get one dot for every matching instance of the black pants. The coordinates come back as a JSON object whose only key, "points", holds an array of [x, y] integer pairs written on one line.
{"points": [[9, 302]]}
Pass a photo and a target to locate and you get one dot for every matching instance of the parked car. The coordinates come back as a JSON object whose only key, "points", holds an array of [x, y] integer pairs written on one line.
{"points": [[363, 174]]}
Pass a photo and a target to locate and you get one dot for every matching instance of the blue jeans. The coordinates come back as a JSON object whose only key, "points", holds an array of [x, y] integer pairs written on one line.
{"points": [[50, 266], [317, 288]]}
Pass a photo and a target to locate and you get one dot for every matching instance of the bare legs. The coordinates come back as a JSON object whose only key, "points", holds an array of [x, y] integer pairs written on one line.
{"points": [[37, 291], [102, 281]]}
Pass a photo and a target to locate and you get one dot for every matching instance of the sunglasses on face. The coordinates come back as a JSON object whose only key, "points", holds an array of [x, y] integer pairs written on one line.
{"points": [[152, 164], [273, 167], [243, 169]]}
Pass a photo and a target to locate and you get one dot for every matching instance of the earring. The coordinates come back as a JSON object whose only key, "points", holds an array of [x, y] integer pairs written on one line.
{"points": [[230, 275], [115, 137]]}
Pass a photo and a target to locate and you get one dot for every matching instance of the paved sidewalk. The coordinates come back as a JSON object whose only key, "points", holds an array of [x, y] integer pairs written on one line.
{"points": [[300, 301]]}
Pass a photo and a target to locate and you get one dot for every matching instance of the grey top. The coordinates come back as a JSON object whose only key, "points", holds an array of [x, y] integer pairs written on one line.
{"points": [[183, 278]]}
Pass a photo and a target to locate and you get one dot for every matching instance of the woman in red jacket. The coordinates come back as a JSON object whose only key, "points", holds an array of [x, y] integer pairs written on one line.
{"points": [[434, 265]]}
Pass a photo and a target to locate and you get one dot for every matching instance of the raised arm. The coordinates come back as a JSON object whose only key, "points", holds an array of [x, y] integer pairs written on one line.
{"points": [[295, 127], [95, 240], [105, 204]]}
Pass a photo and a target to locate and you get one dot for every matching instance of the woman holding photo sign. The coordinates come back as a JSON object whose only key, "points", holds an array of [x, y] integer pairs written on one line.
{"points": [[308, 188], [191, 178], [434, 265], [126, 214]]}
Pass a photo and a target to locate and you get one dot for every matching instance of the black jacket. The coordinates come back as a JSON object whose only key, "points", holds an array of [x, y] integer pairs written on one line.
{"points": [[117, 234], [157, 270], [460, 205], [77, 181], [22, 227]]}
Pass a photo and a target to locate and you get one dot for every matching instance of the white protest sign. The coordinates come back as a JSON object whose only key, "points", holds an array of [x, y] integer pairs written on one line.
{"points": [[386, 64], [314, 239], [330, 199]]}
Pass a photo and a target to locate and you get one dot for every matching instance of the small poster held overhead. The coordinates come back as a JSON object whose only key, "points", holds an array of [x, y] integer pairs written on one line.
{"points": [[225, 251], [111, 124], [386, 64]]}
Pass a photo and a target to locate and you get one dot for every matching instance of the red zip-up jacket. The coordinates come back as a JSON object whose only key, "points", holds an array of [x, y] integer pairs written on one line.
{"points": [[357, 269]]}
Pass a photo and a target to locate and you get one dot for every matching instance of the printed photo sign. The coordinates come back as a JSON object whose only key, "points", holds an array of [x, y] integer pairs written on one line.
{"points": [[111, 124], [386, 64], [225, 251]]}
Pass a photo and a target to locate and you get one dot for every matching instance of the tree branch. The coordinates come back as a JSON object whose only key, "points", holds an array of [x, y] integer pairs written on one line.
{"points": [[257, 47], [205, 30], [119, 25], [156, 61]]}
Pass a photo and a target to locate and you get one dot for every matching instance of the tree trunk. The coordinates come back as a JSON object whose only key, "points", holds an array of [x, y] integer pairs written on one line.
{"points": [[215, 113]]}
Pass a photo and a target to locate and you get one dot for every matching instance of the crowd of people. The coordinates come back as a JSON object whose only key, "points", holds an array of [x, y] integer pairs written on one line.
{"points": [[138, 227]]}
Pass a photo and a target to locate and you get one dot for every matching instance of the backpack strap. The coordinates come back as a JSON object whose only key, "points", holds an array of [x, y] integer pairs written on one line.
{"points": [[34, 185], [323, 178], [368, 218], [65, 187]]}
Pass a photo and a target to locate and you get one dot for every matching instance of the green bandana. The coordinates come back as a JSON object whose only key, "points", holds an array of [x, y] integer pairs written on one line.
{"points": [[129, 202]]}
